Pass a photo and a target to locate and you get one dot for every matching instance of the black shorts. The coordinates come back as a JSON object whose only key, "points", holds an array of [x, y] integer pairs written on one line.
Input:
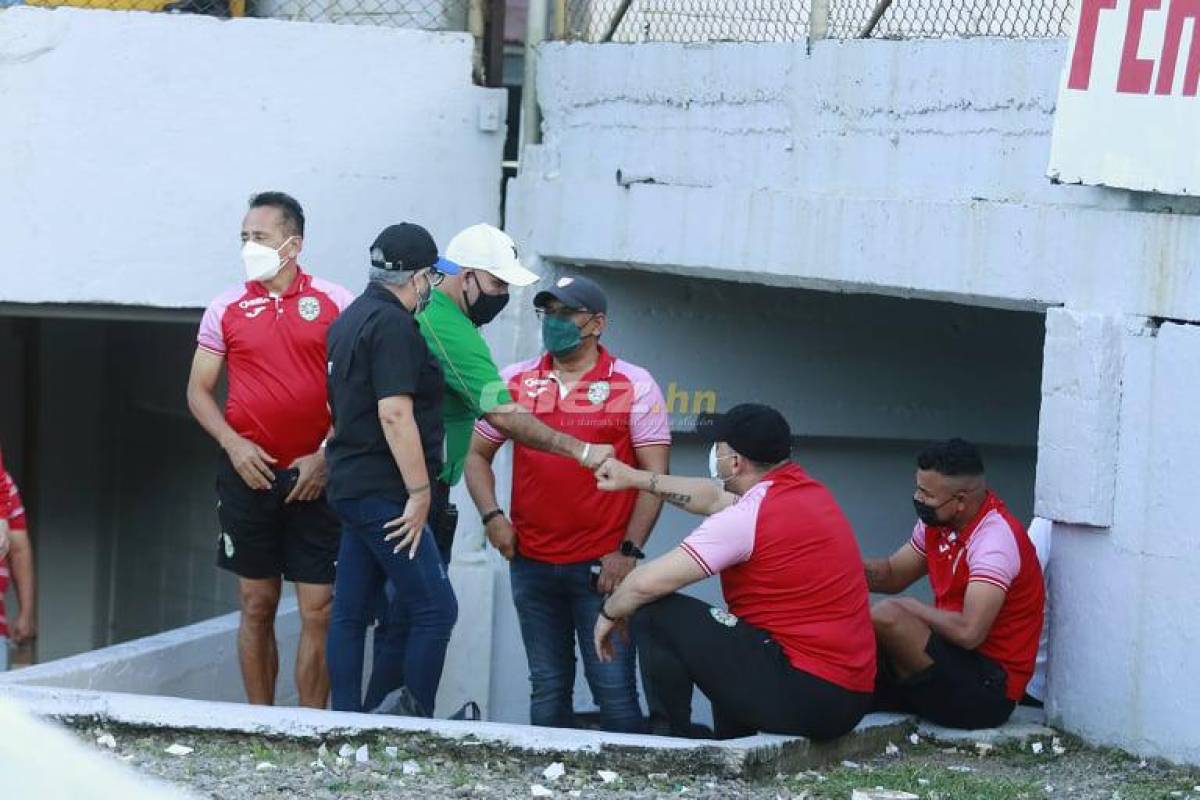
{"points": [[263, 537], [963, 689]]}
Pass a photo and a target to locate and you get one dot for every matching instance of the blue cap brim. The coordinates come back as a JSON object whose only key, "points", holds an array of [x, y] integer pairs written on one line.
{"points": [[446, 266]]}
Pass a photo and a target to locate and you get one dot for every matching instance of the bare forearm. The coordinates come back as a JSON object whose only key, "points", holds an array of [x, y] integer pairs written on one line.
{"points": [[633, 593], [521, 426], [404, 440], [481, 483], [644, 516], [21, 560], [695, 495], [879, 575], [204, 408], [952, 626]]}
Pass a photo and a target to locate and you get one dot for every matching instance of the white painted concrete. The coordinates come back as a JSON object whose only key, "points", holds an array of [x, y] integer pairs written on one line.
{"points": [[1081, 402], [126, 181], [39, 760], [174, 713], [1126, 635], [912, 168]]}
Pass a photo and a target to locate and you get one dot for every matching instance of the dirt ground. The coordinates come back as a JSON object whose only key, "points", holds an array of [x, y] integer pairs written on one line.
{"points": [[240, 767]]}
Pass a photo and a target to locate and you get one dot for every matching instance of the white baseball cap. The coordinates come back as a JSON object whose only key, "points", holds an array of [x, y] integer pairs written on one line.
{"points": [[492, 250]]}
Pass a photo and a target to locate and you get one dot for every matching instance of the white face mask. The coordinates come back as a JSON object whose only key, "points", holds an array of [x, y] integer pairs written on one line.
{"points": [[713, 472], [262, 263]]}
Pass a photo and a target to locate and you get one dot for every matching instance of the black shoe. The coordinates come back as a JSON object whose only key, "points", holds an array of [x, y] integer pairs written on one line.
{"points": [[469, 711], [400, 703]]}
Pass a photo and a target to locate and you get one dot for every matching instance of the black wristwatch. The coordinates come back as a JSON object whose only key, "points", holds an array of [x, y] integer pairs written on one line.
{"points": [[489, 516], [629, 549]]}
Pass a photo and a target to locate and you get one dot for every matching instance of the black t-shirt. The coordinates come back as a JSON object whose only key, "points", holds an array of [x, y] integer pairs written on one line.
{"points": [[376, 350]]}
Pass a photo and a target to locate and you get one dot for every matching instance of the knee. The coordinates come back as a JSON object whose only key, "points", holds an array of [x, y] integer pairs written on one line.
{"points": [[258, 607], [886, 616], [316, 614]]}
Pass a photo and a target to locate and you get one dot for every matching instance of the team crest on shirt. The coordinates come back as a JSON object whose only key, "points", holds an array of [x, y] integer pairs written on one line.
{"points": [[722, 616], [310, 308], [598, 392], [535, 386]]}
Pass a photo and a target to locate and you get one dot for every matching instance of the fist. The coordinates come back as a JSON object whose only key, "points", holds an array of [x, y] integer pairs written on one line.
{"points": [[615, 476], [597, 455]]}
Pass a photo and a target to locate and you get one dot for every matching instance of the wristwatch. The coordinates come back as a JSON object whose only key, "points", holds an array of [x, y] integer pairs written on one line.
{"points": [[629, 549], [489, 516]]}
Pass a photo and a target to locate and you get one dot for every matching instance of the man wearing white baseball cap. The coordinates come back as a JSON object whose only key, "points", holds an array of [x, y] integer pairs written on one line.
{"points": [[488, 265]]}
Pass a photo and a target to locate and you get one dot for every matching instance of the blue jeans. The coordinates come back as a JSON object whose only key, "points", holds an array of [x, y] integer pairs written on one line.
{"points": [[422, 594], [555, 604]]}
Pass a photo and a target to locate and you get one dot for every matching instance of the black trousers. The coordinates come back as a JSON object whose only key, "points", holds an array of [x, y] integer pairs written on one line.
{"points": [[963, 689], [683, 642]]}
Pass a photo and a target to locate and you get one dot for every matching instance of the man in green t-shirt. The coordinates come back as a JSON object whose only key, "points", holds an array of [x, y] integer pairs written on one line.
{"points": [[488, 266]]}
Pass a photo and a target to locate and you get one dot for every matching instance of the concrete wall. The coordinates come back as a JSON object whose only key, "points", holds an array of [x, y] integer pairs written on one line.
{"points": [[141, 137], [902, 167], [1126, 635], [916, 169]]}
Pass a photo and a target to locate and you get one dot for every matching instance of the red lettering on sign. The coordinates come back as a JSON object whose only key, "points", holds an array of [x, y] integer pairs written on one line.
{"points": [[1180, 11], [1085, 42], [1136, 73]]}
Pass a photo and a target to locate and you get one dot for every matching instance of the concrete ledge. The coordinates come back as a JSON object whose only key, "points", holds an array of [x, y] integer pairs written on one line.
{"points": [[1024, 725], [751, 756]]}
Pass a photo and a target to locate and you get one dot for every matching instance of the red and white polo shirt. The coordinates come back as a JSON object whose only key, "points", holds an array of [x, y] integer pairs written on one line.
{"points": [[559, 514], [790, 566], [994, 549], [13, 510], [274, 347]]}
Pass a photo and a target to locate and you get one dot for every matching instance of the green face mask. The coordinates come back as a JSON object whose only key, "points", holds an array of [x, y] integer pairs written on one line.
{"points": [[560, 336]]}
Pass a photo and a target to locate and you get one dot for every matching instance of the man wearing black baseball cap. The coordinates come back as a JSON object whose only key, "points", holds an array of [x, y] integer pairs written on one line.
{"points": [[795, 651], [385, 392]]}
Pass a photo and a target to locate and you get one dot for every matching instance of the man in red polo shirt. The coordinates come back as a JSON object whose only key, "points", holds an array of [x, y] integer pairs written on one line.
{"points": [[794, 653], [563, 529], [20, 560], [963, 662], [270, 334]]}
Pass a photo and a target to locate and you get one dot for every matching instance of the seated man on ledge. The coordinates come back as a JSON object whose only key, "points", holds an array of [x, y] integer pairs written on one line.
{"points": [[795, 653], [964, 661]]}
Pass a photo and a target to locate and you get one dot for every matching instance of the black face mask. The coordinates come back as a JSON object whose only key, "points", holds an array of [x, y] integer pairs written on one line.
{"points": [[927, 513], [486, 306]]}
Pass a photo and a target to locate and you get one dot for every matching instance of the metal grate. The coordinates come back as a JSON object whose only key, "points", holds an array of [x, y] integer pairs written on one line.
{"points": [[788, 20]]}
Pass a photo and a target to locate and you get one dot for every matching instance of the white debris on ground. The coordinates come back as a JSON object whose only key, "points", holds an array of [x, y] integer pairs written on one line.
{"points": [[179, 750], [107, 740], [416, 767]]}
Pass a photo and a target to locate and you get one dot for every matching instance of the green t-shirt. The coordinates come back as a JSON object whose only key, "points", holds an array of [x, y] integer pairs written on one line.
{"points": [[473, 383]]}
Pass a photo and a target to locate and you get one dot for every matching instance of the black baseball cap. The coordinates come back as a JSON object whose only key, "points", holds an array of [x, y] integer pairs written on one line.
{"points": [[407, 247], [574, 291], [758, 432]]}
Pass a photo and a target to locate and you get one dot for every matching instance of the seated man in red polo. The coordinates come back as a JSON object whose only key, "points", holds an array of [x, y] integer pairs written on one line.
{"points": [[794, 653], [964, 661]]}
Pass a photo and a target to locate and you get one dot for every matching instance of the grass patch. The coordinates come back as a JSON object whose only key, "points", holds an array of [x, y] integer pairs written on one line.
{"points": [[935, 783]]}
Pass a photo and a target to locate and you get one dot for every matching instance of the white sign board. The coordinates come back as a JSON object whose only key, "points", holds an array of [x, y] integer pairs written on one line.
{"points": [[1128, 107]]}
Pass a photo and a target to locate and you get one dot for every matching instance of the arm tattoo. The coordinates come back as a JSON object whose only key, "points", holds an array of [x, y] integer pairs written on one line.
{"points": [[675, 499]]}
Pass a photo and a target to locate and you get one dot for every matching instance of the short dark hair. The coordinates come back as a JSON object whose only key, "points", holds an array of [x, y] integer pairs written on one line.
{"points": [[952, 458], [293, 214]]}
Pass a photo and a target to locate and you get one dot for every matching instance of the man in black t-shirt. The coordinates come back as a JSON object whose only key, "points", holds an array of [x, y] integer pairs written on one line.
{"points": [[385, 392]]}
